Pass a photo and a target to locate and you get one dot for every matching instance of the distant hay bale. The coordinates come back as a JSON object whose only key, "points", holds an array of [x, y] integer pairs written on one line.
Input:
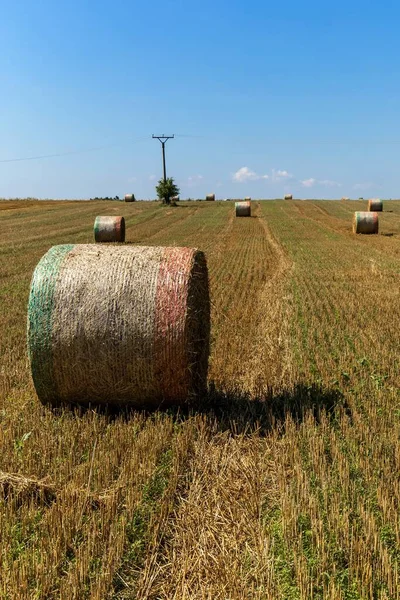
{"points": [[175, 199], [247, 199], [210, 197], [288, 197], [243, 209], [345, 198], [109, 229], [365, 222], [119, 325], [375, 205], [130, 198]]}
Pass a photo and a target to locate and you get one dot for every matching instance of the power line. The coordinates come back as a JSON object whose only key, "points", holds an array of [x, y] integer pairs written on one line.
{"points": [[73, 152]]}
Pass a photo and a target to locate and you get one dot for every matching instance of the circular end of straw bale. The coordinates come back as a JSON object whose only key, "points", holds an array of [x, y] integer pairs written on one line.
{"points": [[243, 209], [119, 325], [130, 198], [210, 197], [375, 205], [365, 222], [109, 229]]}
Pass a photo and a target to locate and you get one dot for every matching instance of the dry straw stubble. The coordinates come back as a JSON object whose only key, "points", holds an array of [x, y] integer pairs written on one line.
{"points": [[123, 326], [109, 229]]}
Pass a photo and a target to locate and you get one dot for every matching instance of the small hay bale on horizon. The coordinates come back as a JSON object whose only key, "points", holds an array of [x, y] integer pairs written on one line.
{"points": [[345, 198], [119, 325], [375, 205], [243, 209], [109, 229], [365, 222], [130, 198], [288, 197], [210, 197]]}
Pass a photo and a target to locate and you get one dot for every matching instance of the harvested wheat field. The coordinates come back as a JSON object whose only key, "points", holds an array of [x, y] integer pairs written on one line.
{"points": [[283, 483]]}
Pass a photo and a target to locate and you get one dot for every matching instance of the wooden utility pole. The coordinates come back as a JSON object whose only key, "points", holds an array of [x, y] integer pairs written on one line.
{"points": [[163, 139]]}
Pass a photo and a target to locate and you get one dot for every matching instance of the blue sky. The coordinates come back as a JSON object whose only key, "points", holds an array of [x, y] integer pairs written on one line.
{"points": [[265, 98]]}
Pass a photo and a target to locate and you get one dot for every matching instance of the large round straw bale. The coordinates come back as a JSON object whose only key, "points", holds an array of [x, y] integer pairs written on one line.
{"points": [[130, 198], [288, 197], [375, 205], [119, 325], [109, 229], [365, 222], [210, 197], [243, 209]]}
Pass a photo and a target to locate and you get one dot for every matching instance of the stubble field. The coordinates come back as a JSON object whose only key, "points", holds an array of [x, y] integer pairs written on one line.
{"points": [[282, 484]]}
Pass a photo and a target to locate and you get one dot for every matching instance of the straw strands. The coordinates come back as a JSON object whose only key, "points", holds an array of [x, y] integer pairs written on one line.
{"points": [[365, 222], [130, 198], [375, 205], [243, 209], [210, 197], [109, 229], [119, 325]]}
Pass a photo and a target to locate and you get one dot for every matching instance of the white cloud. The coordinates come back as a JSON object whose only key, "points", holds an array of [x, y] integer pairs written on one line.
{"points": [[245, 174], [329, 183], [279, 174], [193, 180], [363, 186], [308, 182], [326, 182]]}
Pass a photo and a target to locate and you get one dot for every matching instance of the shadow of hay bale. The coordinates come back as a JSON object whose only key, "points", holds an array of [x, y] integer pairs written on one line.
{"points": [[237, 412]]}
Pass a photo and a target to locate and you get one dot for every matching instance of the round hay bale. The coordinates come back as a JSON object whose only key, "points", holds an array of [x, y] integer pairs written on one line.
{"points": [[130, 198], [113, 325], [365, 222], [247, 199], [175, 199], [288, 197], [243, 209], [109, 229], [210, 197], [375, 205], [345, 198]]}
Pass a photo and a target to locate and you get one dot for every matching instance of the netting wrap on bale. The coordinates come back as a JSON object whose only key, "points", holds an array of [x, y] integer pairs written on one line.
{"points": [[130, 198], [210, 197], [288, 197], [243, 209], [109, 229], [119, 325], [375, 205], [365, 222]]}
